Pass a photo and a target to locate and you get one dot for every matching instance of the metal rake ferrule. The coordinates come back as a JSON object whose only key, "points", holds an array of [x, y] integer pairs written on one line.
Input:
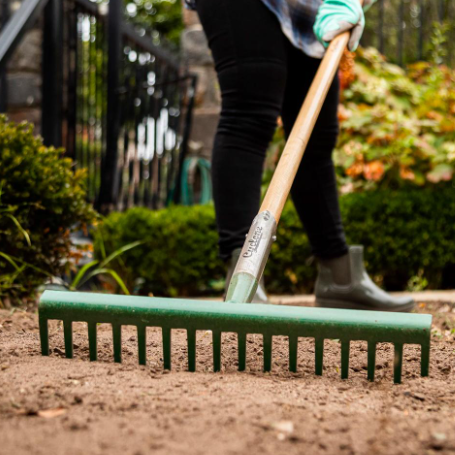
{"points": [[243, 319], [253, 258]]}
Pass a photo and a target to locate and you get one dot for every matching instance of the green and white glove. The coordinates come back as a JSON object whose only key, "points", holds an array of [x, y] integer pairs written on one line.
{"points": [[337, 16]]}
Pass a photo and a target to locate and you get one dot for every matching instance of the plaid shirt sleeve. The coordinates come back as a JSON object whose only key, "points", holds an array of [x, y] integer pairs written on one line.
{"points": [[296, 18]]}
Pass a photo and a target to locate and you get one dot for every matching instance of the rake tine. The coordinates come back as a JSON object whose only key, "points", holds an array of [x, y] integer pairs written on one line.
{"points": [[319, 355], [117, 337], [371, 359], [345, 359], [397, 363], [293, 345], [242, 351], [44, 336], [167, 348], [425, 359], [191, 340], [68, 336], [141, 344], [267, 342], [92, 341], [216, 340]]}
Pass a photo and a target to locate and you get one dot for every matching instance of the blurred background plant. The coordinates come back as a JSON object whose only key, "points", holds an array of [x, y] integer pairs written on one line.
{"points": [[397, 127], [163, 17], [112, 281], [439, 42], [179, 255], [42, 201], [405, 30], [406, 246]]}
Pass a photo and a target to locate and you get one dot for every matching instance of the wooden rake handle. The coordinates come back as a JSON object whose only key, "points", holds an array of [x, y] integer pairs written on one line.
{"points": [[287, 167]]}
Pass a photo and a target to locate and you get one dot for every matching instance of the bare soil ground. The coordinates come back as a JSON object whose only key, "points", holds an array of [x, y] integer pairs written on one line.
{"points": [[51, 405]]}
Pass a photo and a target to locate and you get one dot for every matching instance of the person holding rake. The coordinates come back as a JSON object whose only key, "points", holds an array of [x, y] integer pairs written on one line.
{"points": [[266, 55]]}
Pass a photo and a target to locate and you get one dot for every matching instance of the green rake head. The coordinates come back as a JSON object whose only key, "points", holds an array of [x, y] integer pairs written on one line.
{"points": [[243, 319]]}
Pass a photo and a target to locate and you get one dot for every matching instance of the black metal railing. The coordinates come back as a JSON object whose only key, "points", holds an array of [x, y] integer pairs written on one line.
{"points": [[403, 29], [119, 105], [85, 103], [130, 129], [150, 108]]}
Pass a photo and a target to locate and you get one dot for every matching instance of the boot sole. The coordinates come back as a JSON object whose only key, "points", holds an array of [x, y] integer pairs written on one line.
{"points": [[346, 305]]}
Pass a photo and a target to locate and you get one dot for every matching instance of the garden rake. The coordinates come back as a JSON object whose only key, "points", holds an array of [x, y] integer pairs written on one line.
{"points": [[236, 314]]}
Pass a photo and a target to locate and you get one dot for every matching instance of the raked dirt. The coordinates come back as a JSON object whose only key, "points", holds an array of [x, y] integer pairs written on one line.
{"points": [[51, 405]]}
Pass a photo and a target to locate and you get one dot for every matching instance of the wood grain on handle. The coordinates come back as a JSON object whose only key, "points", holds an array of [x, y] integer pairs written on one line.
{"points": [[287, 167]]}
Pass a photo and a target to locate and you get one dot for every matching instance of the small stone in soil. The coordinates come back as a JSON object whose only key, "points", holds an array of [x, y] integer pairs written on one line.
{"points": [[445, 368], [438, 441], [77, 399], [77, 376], [76, 425]]}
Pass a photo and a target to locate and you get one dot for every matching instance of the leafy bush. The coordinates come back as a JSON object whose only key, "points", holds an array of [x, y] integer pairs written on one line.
{"points": [[41, 201], [406, 233], [397, 127], [179, 255], [403, 238]]}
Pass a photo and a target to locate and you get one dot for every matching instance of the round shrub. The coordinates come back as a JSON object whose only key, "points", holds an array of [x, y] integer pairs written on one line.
{"points": [[42, 199], [179, 255], [405, 233]]}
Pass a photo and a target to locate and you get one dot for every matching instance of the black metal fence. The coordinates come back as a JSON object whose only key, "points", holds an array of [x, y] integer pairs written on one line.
{"points": [[128, 108], [403, 29], [119, 105]]}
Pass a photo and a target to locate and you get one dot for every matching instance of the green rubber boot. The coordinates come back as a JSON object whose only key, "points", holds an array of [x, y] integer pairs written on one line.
{"points": [[261, 294], [344, 283]]}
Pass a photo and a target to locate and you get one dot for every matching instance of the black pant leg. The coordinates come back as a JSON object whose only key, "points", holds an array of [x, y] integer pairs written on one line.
{"points": [[314, 191], [249, 50]]}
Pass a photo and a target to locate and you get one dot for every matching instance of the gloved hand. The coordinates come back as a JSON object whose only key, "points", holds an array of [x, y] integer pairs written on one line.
{"points": [[337, 16]]}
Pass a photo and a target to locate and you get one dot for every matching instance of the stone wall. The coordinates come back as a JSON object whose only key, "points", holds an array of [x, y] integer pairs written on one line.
{"points": [[24, 80], [207, 106], [23, 75]]}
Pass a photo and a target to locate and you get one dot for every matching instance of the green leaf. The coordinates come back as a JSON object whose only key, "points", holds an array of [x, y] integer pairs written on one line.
{"points": [[100, 243], [81, 273], [21, 229], [24, 263], [9, 259], [120, 251], [80, 276], [114, 275], [119, 281]]}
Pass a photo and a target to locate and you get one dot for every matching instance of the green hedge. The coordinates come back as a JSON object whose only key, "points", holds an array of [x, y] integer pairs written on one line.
{"points": [[179, 256], [404, 233]]}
